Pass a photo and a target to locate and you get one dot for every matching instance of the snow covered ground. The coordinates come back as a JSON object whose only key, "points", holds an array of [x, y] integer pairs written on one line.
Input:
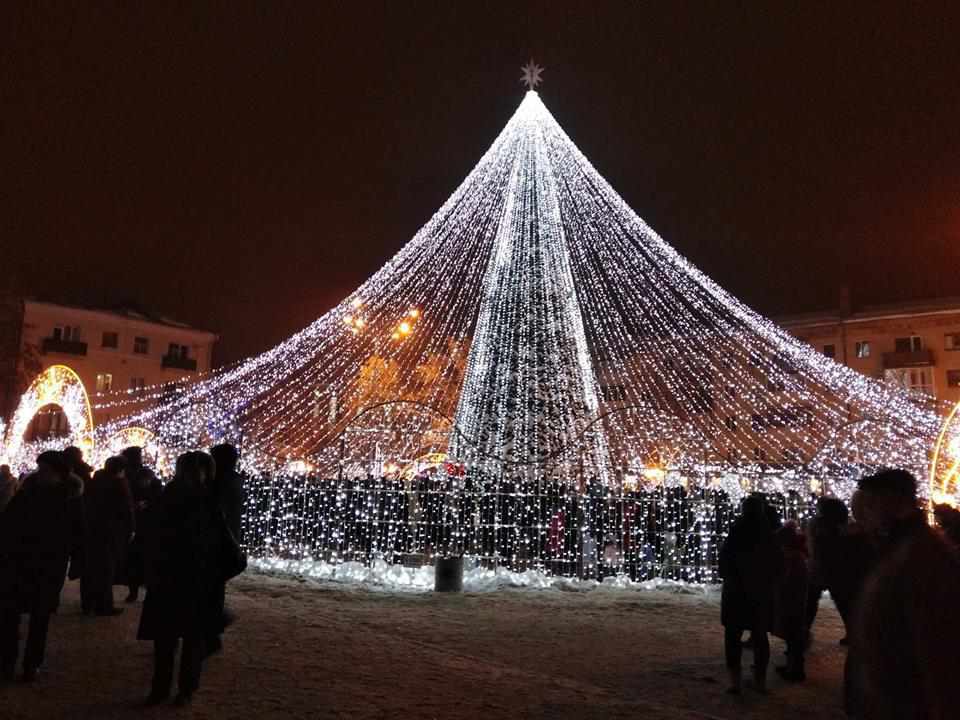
{"points": [[320, 650]]}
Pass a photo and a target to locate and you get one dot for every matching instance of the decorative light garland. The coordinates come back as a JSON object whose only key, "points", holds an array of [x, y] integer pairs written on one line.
{"points": [[568, 359]]}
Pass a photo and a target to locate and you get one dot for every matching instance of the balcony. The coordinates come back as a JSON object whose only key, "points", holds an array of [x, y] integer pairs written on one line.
{"points": [[68, 347], [912, 358], [176, 362]]}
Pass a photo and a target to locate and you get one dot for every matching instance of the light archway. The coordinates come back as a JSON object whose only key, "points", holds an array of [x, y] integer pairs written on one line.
{"points": [[945, 463], [57, 385]]}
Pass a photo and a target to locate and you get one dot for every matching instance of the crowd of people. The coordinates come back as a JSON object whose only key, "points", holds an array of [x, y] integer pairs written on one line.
{"points": [[122, 526], [893, 577], [895, 581]]}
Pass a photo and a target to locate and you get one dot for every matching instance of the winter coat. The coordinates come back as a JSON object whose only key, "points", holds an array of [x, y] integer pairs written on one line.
{"points": [[182, 543], [791, 592], [751, 563], [906, 628], [228, 490], [108, 506], [145, 487], [42, 529]]}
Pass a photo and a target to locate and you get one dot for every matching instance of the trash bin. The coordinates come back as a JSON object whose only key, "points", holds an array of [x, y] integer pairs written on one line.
{"points": [[448, 575]]}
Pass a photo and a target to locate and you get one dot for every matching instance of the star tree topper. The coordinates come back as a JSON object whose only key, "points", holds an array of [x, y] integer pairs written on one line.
{"points": [[531, 75]]}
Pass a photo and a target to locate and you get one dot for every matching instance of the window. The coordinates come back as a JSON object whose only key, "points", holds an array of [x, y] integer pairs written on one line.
{"points": [[110, 340], [953, 378], [137, 385], [830, 351], [759, 454], [178, 351], [916, 379], [141, 345], [863, 348], [731, 422], [104, 382], [67, 333], [908, 344], [951, 341]]}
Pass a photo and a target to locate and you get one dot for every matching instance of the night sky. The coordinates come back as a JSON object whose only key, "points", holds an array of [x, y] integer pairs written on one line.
{"points": [[243, 166]]}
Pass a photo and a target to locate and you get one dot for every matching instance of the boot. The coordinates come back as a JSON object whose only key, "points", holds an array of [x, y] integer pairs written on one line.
{"points": [[735, 681]]}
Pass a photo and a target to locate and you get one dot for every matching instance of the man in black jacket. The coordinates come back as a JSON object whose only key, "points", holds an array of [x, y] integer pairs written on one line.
{"points": [[42, 528]]}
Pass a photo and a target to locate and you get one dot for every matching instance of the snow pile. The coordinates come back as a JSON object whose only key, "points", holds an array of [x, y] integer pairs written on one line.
{"points": [[381, 575]]}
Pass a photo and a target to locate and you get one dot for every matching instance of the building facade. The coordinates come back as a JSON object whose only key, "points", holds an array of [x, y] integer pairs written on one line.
{"points": [[111, 351], [914, 345]]}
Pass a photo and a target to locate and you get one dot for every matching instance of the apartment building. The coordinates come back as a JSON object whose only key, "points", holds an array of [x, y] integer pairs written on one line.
{"points": [[915, 345], [109, 349]]}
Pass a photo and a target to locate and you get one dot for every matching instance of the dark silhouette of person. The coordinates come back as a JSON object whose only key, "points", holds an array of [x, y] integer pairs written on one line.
{"points": [[840, 557], [42, 529], [75, 464], [791, 601], [145, 487], [109, 526], [182, 550], [906, 631], [751, 563], [226, 490], [8, 486], [948, 520]]}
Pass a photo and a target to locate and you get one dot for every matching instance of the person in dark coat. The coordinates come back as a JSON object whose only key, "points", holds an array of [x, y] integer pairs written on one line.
{"points": [[145, 487], [75, 464], [42, 529], [751, 563], [791, 601], [8, 486], [227, 493], [183, 545], [906, 629], [840, 557], [109, 523], [948, 520]]}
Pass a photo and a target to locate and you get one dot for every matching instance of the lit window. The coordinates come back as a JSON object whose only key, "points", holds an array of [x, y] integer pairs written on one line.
{"points": [[830, 351], [110, 340], [916, 379], [104, 382], [863, 348], [141, 345], [951, 341]]}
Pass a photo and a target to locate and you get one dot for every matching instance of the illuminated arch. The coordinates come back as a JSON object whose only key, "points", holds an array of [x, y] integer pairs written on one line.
{"points": [[945, 463], [127, 437], [57, 385]]}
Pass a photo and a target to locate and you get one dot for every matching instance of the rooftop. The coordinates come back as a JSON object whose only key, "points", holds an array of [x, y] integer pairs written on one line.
{"points": [[126, 311], [934, 306]]}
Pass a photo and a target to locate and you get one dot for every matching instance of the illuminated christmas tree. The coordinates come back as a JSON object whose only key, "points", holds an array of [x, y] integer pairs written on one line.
{"points": [[537, 335]]}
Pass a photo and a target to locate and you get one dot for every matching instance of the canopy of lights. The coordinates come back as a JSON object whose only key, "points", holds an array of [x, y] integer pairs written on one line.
{"points": [[534, 344]]}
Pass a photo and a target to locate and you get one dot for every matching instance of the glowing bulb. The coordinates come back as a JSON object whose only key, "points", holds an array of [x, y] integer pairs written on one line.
{"points": [[404, 328]]}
